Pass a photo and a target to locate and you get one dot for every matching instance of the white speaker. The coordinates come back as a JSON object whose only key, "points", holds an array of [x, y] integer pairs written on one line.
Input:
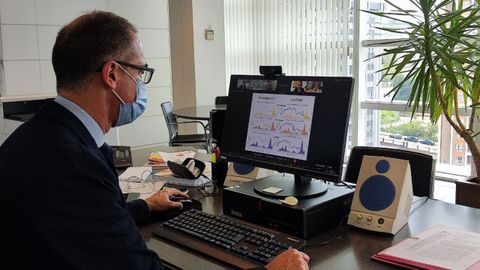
{"points": [[383, 196], [238, 173]]}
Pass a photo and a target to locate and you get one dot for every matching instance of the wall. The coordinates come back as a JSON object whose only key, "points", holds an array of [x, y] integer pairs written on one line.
{"points": [[199, 64], [182, 53], [209, 54], [28, 31]]}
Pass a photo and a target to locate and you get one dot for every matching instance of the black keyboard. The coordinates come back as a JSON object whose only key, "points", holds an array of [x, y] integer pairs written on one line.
{"points": [[229, 240]]}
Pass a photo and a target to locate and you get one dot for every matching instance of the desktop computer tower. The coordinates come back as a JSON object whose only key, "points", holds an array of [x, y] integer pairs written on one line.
{"points": [[309, 217]]}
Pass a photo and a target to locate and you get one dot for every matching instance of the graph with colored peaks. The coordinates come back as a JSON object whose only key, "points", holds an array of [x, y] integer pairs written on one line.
{"points": [[280, 125]]}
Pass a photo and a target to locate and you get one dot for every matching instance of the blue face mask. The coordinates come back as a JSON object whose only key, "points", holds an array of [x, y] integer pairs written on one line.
{"points": [[130, 111]]}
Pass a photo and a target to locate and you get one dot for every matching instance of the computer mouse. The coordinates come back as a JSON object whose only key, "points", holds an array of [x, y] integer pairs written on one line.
{"points": [[171, 213], [179, 199], [191, 204]]}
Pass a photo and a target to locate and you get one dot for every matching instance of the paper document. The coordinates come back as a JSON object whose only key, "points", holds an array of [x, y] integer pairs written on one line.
{"points": [[145, 189], [440, 247], [135, 174]]}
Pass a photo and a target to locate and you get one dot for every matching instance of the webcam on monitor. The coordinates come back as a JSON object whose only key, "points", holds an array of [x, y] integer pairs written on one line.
{"points": [[270, 71]]}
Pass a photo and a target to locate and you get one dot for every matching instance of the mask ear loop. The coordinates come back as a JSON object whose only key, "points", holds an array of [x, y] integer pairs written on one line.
{"points": [[115, 93], [113, 90], [127, 73]]}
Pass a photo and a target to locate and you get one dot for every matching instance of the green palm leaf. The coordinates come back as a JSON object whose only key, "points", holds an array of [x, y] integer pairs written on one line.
{"points": [[439, 61]]}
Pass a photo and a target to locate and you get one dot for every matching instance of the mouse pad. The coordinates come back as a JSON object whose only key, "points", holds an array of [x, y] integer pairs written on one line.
{"points": [[169, 214]]}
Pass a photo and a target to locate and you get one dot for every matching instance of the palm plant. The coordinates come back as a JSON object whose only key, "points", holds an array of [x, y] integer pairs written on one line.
{"points": [[440, 60]]}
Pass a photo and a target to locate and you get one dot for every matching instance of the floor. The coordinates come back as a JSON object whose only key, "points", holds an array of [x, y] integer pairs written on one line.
{"points": [[444, 191]]}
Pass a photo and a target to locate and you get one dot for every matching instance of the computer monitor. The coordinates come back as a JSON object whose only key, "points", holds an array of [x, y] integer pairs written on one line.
{"points": [[291, 124]]}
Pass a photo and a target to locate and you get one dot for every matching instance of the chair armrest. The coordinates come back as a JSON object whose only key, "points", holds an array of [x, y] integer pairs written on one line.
{"points": [[194, 122]]}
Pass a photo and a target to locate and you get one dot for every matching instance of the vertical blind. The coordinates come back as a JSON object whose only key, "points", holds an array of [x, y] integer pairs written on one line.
{"points": [[305, 37]]}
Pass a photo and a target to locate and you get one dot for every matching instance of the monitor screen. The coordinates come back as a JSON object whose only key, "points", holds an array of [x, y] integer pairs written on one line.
{"points": [[291, 124]]}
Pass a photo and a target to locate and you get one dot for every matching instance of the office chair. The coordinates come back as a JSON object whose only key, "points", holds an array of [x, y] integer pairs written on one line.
{"points": [[221, 100], [217, 118], [122, 157], [176, 139], [421, 166]]}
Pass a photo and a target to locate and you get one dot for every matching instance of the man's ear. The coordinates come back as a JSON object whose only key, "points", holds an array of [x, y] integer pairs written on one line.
{"points": [[110, 74]]}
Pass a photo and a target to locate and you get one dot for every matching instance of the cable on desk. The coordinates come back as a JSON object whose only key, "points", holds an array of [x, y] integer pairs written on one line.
{"points": [[423, 199], [335, 235], [343, 183], [142, 181], [204, 191], [138, 179]]}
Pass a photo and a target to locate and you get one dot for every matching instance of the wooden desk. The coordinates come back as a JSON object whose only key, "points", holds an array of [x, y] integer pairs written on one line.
{"points": [[199, 112], [350, 250]]}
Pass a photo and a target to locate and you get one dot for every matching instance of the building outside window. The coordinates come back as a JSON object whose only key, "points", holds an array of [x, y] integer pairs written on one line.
{"points": [[459, 160]]}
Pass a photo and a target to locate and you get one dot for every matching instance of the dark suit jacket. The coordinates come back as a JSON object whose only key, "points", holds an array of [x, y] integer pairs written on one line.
{"points": [[60, 203]]}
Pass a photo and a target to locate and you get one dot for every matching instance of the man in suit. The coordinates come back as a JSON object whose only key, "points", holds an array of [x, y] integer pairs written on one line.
{"points": [[60, 201]]}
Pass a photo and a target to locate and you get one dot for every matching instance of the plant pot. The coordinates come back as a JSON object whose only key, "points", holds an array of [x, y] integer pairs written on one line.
{"points": [[467, 192]]}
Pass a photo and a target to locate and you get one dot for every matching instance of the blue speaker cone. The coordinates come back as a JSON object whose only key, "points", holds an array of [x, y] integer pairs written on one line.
{"points": [[243, 169], [377, 193], [382, 166]]}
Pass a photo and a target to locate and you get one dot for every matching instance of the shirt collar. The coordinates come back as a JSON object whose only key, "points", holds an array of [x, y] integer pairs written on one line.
{"points": [[92, 126]]}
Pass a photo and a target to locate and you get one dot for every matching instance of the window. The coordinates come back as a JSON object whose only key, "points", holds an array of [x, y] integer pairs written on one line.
{"points": [[304, 37], [459, 160], [375, 5], [370, 91], [392, 120]]}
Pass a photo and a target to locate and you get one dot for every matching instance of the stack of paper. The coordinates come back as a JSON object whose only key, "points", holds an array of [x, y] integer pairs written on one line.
{"points": [[159, 158], [440, 247]]}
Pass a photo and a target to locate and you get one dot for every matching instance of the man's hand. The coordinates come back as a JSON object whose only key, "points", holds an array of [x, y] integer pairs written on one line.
{"points": [[160, 201], [290, 259]]}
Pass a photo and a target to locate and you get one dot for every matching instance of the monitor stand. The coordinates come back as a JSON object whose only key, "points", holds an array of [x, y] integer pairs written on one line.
{"points": [[291, 185]]}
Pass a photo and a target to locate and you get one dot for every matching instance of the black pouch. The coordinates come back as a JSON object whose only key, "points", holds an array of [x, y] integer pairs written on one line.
{"points": [[190, 168]]}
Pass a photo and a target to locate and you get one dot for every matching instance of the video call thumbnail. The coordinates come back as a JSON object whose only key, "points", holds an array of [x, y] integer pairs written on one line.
{"points": [[306, 87], [268, 85]]}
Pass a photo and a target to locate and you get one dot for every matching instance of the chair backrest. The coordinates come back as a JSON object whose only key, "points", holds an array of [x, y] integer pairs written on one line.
{"points": [[170, 119], [421, 166], [122, 156], [221, 100]]}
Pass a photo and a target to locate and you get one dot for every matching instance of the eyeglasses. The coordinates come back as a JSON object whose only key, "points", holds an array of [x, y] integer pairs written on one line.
{"points": [[145, 72]]}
